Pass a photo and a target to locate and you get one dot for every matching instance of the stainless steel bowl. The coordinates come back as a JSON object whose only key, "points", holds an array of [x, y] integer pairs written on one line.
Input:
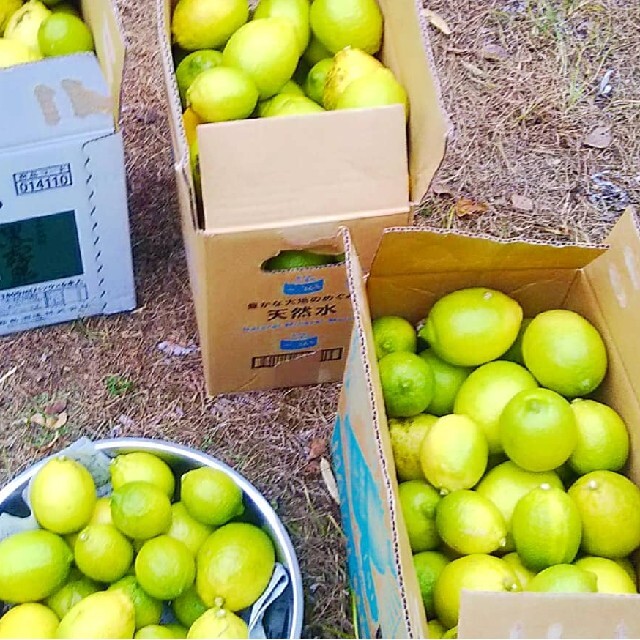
{"points": [[289, 607]]}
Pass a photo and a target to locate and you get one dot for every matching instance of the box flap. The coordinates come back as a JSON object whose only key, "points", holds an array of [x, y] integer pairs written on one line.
{"points": [[269, 171], [54, 98], [518, 615]]}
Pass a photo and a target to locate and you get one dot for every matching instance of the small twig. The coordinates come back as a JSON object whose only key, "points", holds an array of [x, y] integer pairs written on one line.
{"points": [[5, 376]]}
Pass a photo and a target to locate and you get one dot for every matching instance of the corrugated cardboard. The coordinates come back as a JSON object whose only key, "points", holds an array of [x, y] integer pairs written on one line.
{"points": [[65, 249], [411, 270], [290, 183]]}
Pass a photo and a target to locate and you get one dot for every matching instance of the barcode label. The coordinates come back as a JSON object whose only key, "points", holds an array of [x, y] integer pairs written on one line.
{"points": [[43, 179]]}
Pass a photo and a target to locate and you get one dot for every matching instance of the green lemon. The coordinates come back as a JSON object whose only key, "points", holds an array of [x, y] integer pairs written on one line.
{"points": [[188, 606], [102, 553], [485, 393], [448, 379], [148, 610], [407, 384], [315, 82], [470, 523], [514, 352], [315, 52], [296, 11], [523, 574], [101, 512], [429, 566], [418, 502], [469, 327], [62, 34], [63, 495], [165, 567], [627, 565], [546, 528], [451, 633], [29, 620], [187, 529], [454, 453], [435, 629], [211, 496], [348, 65], [191, 66], [23, 24], [565, 352], [70, 593], [141, 466], [611, 577], [161, 631], [140, 510], [218, 623], [295, 259], [538, 429], [609, 506], [235, 563], [7, 9], [13, 52], [406, 436], [564, 578], [289, 105], [33, 564], [391, 334]]}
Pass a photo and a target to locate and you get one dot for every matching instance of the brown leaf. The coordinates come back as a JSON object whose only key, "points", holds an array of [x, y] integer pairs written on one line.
{"points": [[317, 448], [467, 207], [493, 52], [441, 189], [522, 203], [58, 423], [437, 21], [55, 407], [600, 138], [312, 468], [38, 419]]}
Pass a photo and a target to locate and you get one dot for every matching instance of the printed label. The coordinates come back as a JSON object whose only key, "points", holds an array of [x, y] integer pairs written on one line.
{"points": [[44, 298], [303, 285], [44, 179], [299, 341], [270, 361]]}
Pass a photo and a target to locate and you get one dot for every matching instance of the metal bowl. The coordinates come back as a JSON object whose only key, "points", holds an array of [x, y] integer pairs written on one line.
{"points": [[284, 617]]}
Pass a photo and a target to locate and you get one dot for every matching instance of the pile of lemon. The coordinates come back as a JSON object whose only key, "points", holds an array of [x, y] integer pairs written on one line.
{"points": [[112, 567], [36, 29], [510, 476]]}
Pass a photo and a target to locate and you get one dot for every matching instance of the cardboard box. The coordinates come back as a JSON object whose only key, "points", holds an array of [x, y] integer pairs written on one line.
{"points": [[65, 250], [291, 183], [411, 270]]}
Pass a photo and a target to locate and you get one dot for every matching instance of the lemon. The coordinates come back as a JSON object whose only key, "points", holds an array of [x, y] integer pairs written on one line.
{"points": [[522, 573], [609, 505], [211, 496], [24, 24], [165, 567], [469, 327], [13, 52], [296, 11], [391, 334], [407, 384], [235, 564], [207, 24], [7, 8], [62, 495], [192, 65], [347, 23], [190, 121], [295, 259], [188, 606], [63, 7], [314, 87], [291, 88], [565, 352], [627, 565], [102, 553], [141, 466], [376, 89], [148, 610], [564, 578], [603, 439], [70, 593], [611, 577], [140, 510], [476, 572], [506, 483], [470, 523], [33, 564], [29, 620], [288, 105], [266, 50], [315, 52], [514, 352], [454, 453], [406, 436], [435, 629], [62, 34], [218, 623], [102, 511], [428, 566], [105, 614], [451, 633], [538, 429], [348, 65], [448, 379], [222, 94], [161, 631], [418, 502], [485, 393], [546, 528], [187, 529]]}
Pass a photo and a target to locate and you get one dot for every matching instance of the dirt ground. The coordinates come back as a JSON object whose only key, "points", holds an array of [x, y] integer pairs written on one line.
{"points": [[544, 96]]}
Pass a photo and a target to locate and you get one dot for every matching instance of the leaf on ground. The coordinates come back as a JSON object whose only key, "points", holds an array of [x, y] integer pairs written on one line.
{"points": [[438, 21], [522, 203], [38, 419], [471, 68], [56, 407], [55, 424], [467, 207], [329, 479], [317, 448], [441, 189], [494, 52], [600, 138]]}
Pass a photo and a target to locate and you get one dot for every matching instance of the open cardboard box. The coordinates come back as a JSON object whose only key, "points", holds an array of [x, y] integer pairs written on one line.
{"points": [[292, 183], [411, 270], [65, 249]]}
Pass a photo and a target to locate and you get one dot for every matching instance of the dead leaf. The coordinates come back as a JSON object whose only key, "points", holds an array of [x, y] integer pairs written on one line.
{"points": [[56, 407], [317, 448], [522, 203], [38, 419], [437, 21], [58, 423], [471, 68], [600, 138], [312, 468], [441, 189], [467, 207], [329, 479], [494, 52]]}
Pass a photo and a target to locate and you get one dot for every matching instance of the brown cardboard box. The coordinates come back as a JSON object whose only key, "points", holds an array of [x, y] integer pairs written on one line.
{"points": [[412, 269], [291, 183]]}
